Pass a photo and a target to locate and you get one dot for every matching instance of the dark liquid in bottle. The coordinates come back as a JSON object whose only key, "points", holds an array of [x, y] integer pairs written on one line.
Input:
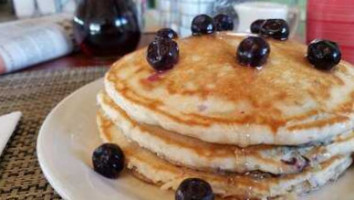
{"points": [[106, 27]]}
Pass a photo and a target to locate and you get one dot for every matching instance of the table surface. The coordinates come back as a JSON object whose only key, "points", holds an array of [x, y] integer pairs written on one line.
{"points": [[78, 59], [35, 93]]}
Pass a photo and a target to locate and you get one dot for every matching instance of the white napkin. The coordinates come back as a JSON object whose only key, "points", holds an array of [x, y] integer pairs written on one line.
{"points": [[8, 124]]}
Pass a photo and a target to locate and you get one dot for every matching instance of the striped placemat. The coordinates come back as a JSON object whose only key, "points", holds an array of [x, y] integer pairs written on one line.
{"points": [[34, 94]]}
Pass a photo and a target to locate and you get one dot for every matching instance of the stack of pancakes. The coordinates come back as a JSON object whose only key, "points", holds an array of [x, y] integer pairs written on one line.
{"points": [[285, 128]]}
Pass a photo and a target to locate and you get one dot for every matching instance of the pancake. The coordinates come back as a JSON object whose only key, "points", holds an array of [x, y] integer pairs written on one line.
{"points": [[192, 153], [209, 96], [155, 170]]}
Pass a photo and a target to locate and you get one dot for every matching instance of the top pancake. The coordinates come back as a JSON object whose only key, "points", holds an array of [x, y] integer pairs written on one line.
{"points": [[209, 96]]}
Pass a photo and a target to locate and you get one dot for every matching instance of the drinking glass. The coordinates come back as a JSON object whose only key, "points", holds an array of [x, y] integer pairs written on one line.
{"points": [[251, 10]]}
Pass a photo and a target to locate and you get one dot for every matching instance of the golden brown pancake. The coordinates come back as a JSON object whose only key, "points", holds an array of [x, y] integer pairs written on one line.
{"points": [[208, 95], [155, 170], [196, 154]]}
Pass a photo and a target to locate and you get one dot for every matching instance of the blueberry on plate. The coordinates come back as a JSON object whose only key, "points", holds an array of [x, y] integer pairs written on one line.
{"points": [[108, 160], [223, 22], [256, 25], [166, 33], [253, 51], [203, 24], [275, 28], [194, 189], [323, 54], [162, 54]]}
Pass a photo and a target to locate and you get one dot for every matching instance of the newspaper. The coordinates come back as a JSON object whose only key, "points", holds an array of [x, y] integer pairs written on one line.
{"points": [[28, 42]]}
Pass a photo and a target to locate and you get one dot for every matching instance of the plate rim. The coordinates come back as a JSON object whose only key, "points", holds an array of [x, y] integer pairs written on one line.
{"points": [[39, 141]]}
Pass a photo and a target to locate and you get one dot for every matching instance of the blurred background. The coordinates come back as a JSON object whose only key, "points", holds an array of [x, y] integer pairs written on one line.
{"points": [[177, 14], [116, 27]]}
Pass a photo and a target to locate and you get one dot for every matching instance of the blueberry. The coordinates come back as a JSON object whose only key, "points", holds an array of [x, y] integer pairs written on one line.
{"points": [[323, 54], [108, 160], [223, 22], [253, 51], [166, 33], [162, 54], [194, 189], [203, 24], [275, 28], [256, 26]]}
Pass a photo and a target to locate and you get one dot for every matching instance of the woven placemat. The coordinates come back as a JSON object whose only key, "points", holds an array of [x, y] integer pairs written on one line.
{"points": [[34, 94]]}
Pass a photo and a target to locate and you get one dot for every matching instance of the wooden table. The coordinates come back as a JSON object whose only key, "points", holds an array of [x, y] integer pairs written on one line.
{"points": [[79, 59]]}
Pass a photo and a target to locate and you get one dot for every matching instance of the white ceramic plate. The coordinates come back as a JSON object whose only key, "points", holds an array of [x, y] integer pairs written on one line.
{"points": [[68, 137]]}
